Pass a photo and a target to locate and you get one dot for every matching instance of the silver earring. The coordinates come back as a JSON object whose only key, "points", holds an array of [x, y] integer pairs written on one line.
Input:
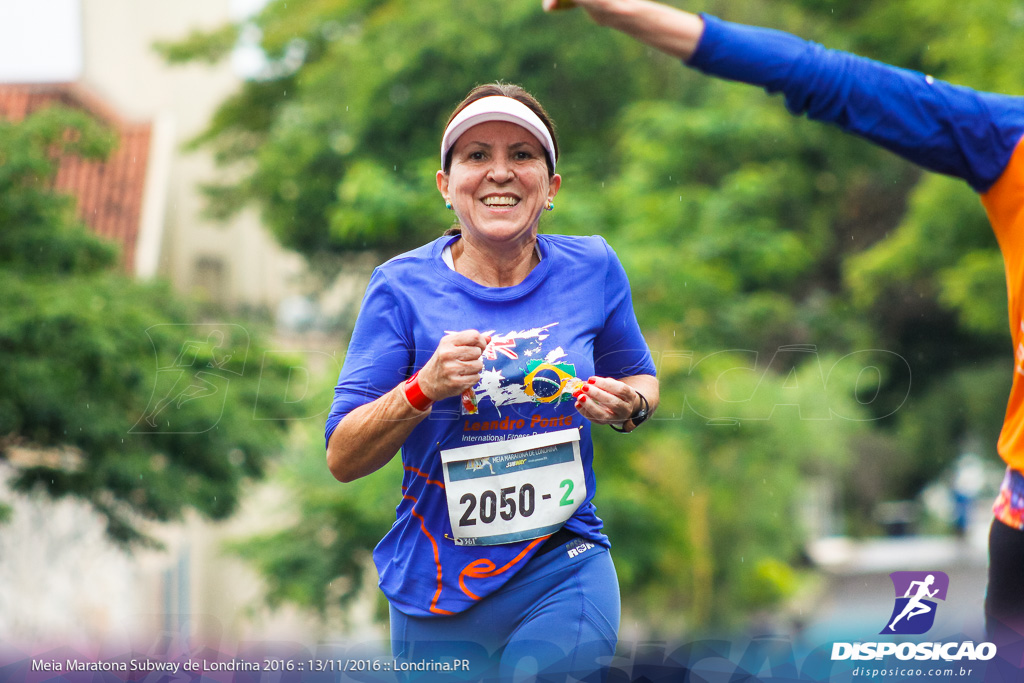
{"points": [[550, 206], [447, 205]]}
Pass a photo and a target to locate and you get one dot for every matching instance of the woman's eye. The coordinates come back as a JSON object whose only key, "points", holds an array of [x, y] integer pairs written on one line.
{"points": [[476, 156], [523, 156]]}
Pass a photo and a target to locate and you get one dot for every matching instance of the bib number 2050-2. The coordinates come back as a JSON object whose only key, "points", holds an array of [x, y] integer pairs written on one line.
{"points": [[506, 491]]}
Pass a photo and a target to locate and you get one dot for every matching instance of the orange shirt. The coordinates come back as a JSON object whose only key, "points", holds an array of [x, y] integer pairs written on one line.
{"points": [[1004, 202]]}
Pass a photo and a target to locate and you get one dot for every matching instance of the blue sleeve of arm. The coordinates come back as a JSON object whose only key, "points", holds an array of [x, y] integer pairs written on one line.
{"points": [[942, 127], [379, 354], [620, 349]]}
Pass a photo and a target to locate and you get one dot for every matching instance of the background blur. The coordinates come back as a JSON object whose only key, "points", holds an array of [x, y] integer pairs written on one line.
{"points": [[193, 194]]}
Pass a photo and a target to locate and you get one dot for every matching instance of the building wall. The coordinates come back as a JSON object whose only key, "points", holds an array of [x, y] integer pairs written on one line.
{"points": [[237, 263], [60, 579], [64, 583]]}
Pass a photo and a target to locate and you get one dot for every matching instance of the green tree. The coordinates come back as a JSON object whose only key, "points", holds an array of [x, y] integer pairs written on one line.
{"points": [[340, 138], [769, 258], [934, 285], [113, 391]]}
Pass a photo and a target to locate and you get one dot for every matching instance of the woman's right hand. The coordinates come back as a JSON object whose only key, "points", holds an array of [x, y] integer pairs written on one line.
{"points": [[370, 435], [455, 366]]}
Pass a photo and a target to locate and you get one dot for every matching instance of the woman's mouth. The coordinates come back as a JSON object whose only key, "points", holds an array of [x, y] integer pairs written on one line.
{"points": [[500, 201]]}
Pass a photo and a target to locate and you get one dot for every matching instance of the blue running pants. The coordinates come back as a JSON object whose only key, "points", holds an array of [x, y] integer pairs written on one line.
{"points": [[558, 617]]}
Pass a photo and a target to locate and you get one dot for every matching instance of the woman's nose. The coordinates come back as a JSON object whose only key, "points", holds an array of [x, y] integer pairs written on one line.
{"points": [[501, 171]]}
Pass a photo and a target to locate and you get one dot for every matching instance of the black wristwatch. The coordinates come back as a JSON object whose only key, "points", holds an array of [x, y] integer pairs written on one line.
{"points": [[636, 418]]}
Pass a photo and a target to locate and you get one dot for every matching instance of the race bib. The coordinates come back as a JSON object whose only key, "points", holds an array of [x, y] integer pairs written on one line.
{"points": [[513, 490]]}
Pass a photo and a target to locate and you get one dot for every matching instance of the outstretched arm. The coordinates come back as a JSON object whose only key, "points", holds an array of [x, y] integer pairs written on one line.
{"points": [[665, 28], [942, 127]]}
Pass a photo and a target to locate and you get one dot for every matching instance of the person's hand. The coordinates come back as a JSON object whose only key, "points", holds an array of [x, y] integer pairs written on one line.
{"points": [[603, 400], [455, 366], [595, 8], [673, 31], [592, 6], [601, 11]]}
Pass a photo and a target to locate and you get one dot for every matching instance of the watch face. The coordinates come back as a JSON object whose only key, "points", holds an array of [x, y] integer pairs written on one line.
{"points": [[641, 414]]}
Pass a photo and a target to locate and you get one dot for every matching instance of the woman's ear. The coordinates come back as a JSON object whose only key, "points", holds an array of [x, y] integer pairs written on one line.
{"points": [[442, 184], [553, 186]]}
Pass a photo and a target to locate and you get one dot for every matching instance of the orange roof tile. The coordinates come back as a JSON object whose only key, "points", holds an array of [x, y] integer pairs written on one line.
{"points": [[110, 192]]}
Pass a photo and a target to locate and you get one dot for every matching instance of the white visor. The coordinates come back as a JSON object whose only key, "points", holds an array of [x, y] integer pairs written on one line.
{"points": [[497, 108]]}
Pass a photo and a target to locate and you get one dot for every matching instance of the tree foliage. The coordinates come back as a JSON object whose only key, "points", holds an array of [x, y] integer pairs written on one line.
{"points": [[113, 391], [813, 302]]}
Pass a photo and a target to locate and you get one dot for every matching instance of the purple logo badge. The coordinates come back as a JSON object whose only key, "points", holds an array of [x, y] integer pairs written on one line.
{"points": [[916, 593]]}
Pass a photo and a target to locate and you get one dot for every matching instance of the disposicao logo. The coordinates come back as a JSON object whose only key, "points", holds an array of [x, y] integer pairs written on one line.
{"points": [[916, 595], [913, 613]]}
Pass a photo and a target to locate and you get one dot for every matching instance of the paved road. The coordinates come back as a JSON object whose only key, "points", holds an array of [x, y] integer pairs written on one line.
{"points": [[857, 598]]}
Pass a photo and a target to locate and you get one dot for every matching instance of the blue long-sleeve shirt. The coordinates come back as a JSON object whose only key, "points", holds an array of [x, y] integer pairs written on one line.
{"points": [[572, 317], [942, 127]]}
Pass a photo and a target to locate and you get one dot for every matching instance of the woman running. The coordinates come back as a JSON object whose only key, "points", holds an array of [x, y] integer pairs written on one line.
{"points": [[486, 356]]}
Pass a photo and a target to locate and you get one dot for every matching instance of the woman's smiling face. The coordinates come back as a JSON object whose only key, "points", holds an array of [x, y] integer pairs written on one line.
{"points": [[498, 182]]}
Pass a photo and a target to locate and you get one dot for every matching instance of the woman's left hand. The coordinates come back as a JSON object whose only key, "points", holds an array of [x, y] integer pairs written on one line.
{"points": [[603, 400]]}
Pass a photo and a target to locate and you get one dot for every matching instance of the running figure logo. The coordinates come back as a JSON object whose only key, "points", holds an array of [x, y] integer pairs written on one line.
{"points": [[479, 464], [916, 592]]}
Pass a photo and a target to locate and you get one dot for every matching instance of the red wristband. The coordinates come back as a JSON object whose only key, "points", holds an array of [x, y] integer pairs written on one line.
{"points": [[415, 395]]}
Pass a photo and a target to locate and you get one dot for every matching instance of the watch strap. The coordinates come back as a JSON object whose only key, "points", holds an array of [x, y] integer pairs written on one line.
{"points": [[637, 418]]}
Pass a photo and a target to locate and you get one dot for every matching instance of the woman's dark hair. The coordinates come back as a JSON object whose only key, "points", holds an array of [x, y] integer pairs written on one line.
{"points": [[516, 93]]}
